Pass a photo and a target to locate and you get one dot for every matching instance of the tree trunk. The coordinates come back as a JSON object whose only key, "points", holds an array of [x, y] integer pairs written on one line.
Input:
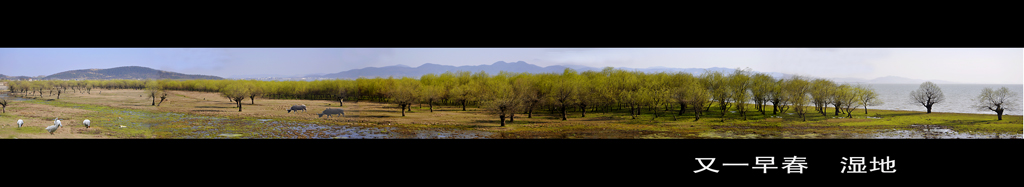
{"points": [[154, 101], [529, 113], [638, 110], [681, 108], [463, 105], [723, 115], [430, 104], [403, 109], [252, 99], [655, 113], [999, 114], [584, 107], [865, 109], [239, 105], [837, 111], [743, 112], [929, 109], [564, 113], [760, 107], [512, 117], [696, 113], [502, 116]]}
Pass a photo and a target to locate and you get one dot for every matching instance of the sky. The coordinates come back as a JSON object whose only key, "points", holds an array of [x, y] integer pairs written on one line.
{"points": [[962, 65]]}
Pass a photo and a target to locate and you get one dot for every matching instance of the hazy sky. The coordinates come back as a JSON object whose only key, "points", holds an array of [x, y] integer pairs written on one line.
{"points": [[966, 65]]}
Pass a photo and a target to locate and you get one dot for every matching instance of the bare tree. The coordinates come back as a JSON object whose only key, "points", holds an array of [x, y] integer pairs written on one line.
{"points": [[927, 95], [997, 101], [163, 96]]}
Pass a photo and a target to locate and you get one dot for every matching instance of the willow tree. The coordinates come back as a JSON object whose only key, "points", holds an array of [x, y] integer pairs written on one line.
{"points": [[840, 97], [405, 93], [656, 97], [821, 91], [254, 90], [847, 98], [236, 92], [564, 91], [153, 89], [760, 90], [465, 93], [715, 82], [739, 85], [430, 93], [505, 98], [589, 90], [868, 97], [535, 93], [797, 90], [627, 85], [681, 89], [697, 96], [777, 96]]}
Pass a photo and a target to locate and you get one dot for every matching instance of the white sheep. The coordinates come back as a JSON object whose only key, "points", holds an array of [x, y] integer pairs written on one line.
{"points": [[86, 122]]}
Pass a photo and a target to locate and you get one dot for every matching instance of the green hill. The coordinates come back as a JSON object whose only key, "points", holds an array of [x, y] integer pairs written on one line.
{"points": [[127, 72]]}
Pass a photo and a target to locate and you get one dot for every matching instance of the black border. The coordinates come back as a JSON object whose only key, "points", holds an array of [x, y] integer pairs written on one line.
{"points": [[657, 160]]}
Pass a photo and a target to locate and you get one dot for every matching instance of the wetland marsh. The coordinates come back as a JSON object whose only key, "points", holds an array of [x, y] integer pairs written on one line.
{"points": [[123, 114]]}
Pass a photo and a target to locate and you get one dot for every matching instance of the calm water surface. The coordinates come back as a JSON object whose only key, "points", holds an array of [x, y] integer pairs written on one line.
{"points": [[958, 97]]}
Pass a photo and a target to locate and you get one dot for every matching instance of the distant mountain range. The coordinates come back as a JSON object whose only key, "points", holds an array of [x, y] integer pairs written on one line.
{"points": [[137, 72], [520, 66], [890, 80], [5, 77], [127, 72], [517, 67]]}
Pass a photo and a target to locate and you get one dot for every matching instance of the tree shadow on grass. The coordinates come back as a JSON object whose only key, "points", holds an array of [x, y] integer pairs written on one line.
{"points": [[214, 107]]}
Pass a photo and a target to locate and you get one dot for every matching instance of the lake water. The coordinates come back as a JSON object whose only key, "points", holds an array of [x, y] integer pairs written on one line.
{"points": [[958, 97]]}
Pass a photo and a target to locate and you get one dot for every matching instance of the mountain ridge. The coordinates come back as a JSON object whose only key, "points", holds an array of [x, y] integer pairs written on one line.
{"points": [[521, 66], [125, 72]]}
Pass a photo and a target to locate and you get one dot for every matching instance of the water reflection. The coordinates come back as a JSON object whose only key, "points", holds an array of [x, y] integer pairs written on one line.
{"points": [[939, 132]]}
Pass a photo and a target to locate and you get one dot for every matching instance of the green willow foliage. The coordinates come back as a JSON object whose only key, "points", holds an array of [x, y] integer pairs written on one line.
{"points": [[595, 91]]}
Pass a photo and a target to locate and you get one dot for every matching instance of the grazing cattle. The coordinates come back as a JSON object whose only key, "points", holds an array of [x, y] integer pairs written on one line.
{"points": [[331, 111], [297, 108]]}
